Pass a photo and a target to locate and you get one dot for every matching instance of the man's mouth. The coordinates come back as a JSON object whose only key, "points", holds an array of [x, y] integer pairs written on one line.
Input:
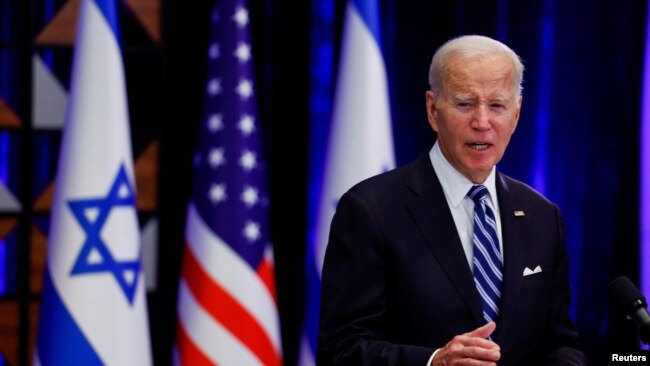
{"points": [[479, 146]]}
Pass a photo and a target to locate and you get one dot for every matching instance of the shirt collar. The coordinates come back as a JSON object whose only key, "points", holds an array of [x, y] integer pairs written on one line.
{"points": [[454, 184]]}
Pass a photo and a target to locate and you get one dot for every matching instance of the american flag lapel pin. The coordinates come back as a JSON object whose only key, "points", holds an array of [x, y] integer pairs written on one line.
{"points": [[519, 213]]}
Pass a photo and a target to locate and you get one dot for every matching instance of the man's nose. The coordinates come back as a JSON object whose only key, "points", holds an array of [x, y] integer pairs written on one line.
{"points": [[481, 120]]}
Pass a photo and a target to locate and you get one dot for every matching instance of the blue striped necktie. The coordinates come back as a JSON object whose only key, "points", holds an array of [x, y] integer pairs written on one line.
{"points": [[488, 263]]}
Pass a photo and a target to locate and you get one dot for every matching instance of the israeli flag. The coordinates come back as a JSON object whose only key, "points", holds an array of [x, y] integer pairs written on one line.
{"points": [[93, 307], [360, 140]]}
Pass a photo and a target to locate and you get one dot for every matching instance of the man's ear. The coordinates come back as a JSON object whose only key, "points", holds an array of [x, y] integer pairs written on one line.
{"points": [[517, 113], [432, 111]]}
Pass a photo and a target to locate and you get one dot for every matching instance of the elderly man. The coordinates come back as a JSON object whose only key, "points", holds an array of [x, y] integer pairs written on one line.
{"points": [[446, 261]]}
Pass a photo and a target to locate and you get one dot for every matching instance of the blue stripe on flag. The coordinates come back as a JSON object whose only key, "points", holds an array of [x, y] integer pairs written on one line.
{"points": [[369, 12], [109, 10], [56, 324]]}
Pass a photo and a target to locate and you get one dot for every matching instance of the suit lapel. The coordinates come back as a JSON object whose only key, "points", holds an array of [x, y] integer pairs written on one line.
{"points": [[430, 211], [514, 229]]}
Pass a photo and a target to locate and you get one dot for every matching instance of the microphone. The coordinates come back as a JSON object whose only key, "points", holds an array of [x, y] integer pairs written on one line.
{"points": [[627, 298]]}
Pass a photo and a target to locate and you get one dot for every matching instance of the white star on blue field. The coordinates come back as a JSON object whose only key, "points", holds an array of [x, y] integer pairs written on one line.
{"points": [[95, 256]]}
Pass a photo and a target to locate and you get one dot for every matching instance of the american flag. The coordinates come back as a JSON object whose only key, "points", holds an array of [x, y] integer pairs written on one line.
{"points": [[227, 308]]}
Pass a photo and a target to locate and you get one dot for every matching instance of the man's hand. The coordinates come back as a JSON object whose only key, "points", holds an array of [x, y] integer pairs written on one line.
{"points": [[471, 348]]}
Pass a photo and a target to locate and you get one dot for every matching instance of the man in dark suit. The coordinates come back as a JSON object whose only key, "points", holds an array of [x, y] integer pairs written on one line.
{"points": [[404, 279]]}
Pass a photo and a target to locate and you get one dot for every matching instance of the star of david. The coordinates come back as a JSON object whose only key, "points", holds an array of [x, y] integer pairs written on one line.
{"points": [[95, 256]]}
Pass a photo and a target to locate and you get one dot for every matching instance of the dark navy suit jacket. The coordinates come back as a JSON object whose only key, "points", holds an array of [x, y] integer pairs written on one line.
{"points": [[396, 283]]}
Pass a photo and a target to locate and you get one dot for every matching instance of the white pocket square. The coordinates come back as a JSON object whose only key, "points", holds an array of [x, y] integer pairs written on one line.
{"points": [[528, 271]]}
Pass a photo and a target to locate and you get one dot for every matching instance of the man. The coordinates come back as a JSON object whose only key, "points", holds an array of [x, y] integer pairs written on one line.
{"points": [[417, 273]]}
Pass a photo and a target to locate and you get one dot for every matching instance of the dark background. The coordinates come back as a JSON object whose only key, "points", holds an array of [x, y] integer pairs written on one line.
{"points": [[577, 140]]}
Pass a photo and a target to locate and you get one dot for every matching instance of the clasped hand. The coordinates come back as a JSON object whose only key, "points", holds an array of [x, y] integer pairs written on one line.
{"points": [[471, 348]]}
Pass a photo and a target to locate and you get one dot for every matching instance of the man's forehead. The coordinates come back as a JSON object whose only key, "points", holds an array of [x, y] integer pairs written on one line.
{"points": [[467, 77], [495, 82], [498, 65], [498, 97]]}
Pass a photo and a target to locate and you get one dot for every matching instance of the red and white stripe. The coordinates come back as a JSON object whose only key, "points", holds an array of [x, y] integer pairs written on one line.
{"points": [[227, 311]]}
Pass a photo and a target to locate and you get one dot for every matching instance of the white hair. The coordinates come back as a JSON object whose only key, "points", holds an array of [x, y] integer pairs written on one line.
{"points": [[469, 46]]}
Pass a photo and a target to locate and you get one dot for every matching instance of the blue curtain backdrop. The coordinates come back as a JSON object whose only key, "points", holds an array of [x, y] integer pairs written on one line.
{"points": [[577, 140]]}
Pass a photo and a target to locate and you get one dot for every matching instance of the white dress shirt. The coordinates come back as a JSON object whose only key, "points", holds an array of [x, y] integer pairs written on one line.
{"points": [[456, 186]]}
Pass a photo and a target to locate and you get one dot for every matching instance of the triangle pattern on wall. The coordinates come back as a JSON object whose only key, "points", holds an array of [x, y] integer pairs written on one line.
{"points": [[61, 29], [49, 97], [8, 118], [8, 202], [147, 13], [146, 177]]}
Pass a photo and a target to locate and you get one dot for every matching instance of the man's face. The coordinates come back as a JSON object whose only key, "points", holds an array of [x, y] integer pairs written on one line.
{"points": [[476, 113]]}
